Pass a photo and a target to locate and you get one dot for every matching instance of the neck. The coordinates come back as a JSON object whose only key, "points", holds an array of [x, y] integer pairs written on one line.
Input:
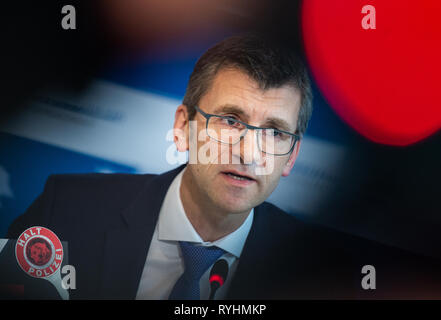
{"points": [[209, 221]]}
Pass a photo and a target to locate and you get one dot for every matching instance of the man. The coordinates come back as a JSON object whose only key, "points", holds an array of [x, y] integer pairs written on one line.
{"points": [[246, 108]]}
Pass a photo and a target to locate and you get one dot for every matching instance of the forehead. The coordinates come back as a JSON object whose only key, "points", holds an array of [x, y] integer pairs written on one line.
{"points": [[236, 88]]}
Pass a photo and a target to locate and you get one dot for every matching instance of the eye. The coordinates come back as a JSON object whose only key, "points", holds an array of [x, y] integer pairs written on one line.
{"points": [[277, 134], [230, 121], [273, 132]]}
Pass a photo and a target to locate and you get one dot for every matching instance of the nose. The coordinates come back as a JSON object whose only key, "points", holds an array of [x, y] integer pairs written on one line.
{"points": [[249, 151]]}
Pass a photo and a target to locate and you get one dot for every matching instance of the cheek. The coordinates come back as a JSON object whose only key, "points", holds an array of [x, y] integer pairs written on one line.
{"points": [[203, 175], [271, 180], [286, 167], [208, 151], [280, 165]]}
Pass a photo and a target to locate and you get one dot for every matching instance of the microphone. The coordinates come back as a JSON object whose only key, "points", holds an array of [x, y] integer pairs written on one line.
{"points": [[218, 276]]}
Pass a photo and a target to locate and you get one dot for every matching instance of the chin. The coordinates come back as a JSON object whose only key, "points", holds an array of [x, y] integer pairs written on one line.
{"points": [[234, 204]]}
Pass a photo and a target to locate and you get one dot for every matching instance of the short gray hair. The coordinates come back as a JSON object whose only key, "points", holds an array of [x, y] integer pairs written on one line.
{"points": [[269, 63]]}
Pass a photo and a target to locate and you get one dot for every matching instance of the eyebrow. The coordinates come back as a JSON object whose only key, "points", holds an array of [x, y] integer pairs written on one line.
{"points": [[230, 108], [278, 123]]}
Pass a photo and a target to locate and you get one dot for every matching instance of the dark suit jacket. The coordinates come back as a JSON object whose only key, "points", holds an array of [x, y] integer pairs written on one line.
{"points": [[109, 219]]}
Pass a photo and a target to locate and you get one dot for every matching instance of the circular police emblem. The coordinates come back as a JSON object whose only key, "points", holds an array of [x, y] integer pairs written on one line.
{"points": [[39, 252]]}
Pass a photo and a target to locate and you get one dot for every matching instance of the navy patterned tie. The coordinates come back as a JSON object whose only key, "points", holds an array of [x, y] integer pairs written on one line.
{"points": [[197, 259]]}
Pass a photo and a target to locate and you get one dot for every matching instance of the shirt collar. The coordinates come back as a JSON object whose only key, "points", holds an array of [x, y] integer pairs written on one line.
{"points": [[173, 224]]}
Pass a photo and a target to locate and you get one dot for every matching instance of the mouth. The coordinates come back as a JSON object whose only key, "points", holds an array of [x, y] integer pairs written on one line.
{"points": [[238, 176]]}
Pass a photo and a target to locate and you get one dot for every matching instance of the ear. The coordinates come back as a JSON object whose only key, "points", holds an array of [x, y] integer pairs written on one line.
{"points": [[180, 129], [292, 159]]}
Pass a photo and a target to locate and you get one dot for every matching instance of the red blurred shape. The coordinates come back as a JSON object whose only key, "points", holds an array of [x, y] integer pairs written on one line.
{"points": [[217, 278], [384, 82]]}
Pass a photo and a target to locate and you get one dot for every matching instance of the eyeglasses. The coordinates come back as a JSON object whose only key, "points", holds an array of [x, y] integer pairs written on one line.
{"points": [[228, 130]]}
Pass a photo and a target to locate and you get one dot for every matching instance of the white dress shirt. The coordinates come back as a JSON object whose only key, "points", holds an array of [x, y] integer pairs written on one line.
{"points": [[164, 264]]}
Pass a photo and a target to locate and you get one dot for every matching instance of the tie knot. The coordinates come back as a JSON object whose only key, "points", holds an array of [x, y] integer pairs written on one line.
{"points": [[197, 259]]}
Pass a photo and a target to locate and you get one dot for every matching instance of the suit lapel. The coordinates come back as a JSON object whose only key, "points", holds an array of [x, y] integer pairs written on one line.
{"points": [[290, 259], [127, 245], [265, 265], [244, 280]]}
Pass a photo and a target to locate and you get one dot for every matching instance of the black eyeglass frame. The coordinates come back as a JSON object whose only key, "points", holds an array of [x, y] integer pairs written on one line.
{"points": [[207, 116]]}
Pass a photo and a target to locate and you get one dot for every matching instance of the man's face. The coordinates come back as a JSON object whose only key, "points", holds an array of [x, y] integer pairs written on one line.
{"points": [[236, 95]]}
